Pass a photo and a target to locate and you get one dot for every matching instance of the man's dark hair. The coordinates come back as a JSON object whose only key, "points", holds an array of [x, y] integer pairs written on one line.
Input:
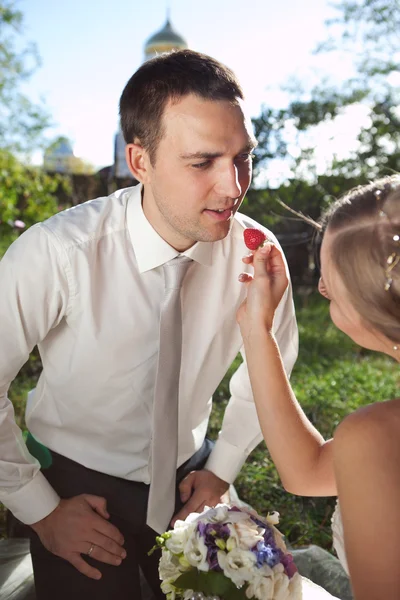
{"points": [[169, 77]]}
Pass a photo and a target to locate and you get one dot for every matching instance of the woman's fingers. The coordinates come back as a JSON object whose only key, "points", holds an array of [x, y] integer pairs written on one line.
{"points": [[245, 278], [269, 265], [276, 263], [268, 260], [248, 259]]}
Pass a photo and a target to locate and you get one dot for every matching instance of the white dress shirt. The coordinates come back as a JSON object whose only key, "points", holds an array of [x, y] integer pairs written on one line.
{"points": [[86, 287]]}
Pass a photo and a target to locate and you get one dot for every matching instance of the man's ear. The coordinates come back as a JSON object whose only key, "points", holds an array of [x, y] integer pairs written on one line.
{"points": [[138, 161]]}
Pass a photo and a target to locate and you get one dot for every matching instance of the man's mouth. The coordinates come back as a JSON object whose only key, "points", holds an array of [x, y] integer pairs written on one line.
{"points": [[221, 214]]}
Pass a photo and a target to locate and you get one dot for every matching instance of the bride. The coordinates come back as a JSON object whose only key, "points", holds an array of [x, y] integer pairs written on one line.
{"points": [[360, 277]]}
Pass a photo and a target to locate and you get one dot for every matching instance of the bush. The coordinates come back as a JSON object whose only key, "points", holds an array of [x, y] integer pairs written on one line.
{"points": [[27, 195]]}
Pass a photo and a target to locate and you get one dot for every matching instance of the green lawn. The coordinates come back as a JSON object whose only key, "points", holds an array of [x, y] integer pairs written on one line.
{"points": [[332, 377]]}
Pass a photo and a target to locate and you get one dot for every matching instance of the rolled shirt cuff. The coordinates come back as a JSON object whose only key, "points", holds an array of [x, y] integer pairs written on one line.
{"points": [[32, 502], [226, 460]]}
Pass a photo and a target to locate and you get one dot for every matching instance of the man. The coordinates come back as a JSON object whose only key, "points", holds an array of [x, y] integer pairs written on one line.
{"points": [[87, 286]]}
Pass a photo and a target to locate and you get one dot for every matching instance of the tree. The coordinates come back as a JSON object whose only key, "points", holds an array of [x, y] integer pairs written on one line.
{"points": [[21, 120], [27, 195], [368, 30]]}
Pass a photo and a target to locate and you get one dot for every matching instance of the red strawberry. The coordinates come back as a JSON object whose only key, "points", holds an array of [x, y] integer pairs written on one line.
{"points": [[254, 238]]}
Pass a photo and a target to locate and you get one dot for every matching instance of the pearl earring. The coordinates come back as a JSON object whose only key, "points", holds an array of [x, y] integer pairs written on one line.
{"points": [[395, 348]]}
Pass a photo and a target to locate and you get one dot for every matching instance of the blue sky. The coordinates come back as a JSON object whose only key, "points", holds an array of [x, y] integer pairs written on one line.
{"points": [[89, 49]]}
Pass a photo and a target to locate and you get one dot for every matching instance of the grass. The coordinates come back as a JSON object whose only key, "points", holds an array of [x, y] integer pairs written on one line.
{"points": [[332, 377]]}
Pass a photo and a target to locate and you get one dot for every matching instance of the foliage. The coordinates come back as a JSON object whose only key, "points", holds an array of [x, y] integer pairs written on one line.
{"points": [[367, 30], [269, 130], [27, 195], [311, 199], [379, 149], [371, 26], [21, 120]]}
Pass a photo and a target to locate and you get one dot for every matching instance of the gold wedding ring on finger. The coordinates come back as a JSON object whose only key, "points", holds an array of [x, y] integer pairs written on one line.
{"points": [[89, 552]]}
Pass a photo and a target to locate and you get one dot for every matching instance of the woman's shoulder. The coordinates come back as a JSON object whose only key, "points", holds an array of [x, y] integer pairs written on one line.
{"points": [[375, 419], [369, 438]]}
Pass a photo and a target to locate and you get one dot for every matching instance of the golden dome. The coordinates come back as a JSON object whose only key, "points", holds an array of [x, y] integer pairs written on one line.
{"points": [[165, 40]]}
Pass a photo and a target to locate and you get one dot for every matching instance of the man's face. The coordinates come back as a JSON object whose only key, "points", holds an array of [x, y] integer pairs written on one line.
{"points": [[201, 171]]}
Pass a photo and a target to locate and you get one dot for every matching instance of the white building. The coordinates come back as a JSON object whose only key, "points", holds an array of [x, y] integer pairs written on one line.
{"points": [[59, 157]]}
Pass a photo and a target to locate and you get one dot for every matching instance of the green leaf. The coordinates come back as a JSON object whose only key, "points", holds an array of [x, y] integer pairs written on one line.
{"points": [[210, 583]]}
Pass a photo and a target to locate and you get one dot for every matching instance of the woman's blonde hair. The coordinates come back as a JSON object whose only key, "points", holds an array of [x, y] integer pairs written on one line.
{"points": [[366, 251]]}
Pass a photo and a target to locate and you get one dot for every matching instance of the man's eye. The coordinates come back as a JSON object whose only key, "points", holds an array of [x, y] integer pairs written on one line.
{"points": [[202, 165]]}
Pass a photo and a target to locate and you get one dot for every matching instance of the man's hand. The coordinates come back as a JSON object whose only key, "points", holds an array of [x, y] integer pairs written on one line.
{"points": [[200, 489], [76, 526]]}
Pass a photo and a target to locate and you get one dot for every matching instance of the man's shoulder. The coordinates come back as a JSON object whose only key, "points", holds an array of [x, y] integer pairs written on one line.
{"points": [[89, 220]]}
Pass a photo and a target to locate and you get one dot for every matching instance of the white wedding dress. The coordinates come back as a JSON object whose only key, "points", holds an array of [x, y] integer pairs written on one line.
{"points": [[338, 538], [310, 590]]}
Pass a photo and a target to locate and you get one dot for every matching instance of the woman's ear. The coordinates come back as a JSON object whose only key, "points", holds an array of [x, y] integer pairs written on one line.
{"points": [[138, 161]]}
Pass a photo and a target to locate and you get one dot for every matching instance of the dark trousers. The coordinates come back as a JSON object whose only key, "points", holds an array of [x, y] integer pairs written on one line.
{"points": [[57, 579]]}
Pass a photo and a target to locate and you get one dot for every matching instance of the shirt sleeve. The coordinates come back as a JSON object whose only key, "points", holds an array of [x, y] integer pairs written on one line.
{"points": [[240, 432], [34, 296]]}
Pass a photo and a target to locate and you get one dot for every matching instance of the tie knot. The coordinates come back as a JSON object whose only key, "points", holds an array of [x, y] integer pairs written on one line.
{"points": [[175, 271]]}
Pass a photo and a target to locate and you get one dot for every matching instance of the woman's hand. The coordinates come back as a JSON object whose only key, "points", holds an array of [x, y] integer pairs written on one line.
{"points": [[264, 290]]}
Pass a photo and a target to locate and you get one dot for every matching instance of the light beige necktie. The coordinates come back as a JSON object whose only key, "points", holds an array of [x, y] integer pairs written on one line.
{"points": [[165, 408]]}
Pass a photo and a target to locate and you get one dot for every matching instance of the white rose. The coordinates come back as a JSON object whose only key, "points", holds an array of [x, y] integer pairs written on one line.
{"points": [[195, 552], [233, 539], [281, 583], [167, 587], [235, 516], [168, 566], [179, 537], [218, 514], [295, 587], [273, 518], [238, 565], [249, 534], [261, 588]]}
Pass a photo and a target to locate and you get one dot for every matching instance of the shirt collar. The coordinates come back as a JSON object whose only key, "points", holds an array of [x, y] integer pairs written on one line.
{"points": [[151, 250]]}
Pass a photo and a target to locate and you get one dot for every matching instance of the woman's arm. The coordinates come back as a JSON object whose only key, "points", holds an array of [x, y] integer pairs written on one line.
{"points": [[302, 457], [366, 452]]}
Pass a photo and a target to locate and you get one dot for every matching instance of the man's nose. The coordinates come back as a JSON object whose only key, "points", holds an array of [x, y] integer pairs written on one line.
{"points": [[228, 182]]}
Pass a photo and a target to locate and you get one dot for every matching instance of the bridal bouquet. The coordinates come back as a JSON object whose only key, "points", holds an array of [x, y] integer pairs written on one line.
{"points": [[227, 553]]}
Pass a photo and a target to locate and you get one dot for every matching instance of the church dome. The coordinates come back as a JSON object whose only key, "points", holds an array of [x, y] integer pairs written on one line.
{"points": [[165, 40]]}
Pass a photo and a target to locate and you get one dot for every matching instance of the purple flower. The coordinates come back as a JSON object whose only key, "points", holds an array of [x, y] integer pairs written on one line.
{"points": [[212, 559], [288, 564], [213, 531], [269, 537], [267, 554]]}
